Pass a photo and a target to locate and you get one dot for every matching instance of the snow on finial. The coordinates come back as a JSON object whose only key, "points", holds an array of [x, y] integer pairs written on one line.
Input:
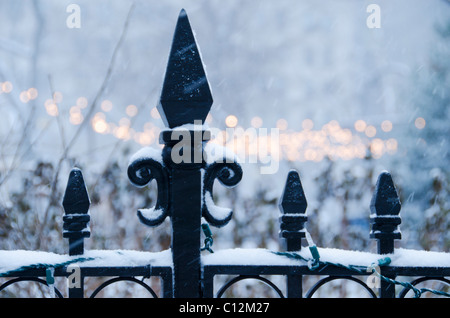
{"points": [[185, 95], [76, 199], [293, 206], [293, 199], [385, 208], [385, 200], [76, 206]]}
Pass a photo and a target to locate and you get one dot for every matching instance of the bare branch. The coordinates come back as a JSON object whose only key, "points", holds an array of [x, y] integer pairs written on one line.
{"points": [[58, 118], [104, 84], [32, 113], [68, 147]]}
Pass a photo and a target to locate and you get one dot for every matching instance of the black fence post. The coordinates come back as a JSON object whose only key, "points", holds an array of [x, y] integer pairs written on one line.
{"points": [[185, 100], [185, 210], [76, 219], [293, 217], [385, 208]]}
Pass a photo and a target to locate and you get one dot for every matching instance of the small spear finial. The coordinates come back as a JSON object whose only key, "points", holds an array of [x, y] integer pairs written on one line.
{"points": [[76, 206], [385, 208], [293, 206]]}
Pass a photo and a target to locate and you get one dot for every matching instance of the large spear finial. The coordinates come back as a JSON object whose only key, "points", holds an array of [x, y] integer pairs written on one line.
{"points": [[185, 94]]}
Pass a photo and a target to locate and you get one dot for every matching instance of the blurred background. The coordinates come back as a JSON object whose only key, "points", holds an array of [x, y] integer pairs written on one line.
{"points": [[349, 101]]}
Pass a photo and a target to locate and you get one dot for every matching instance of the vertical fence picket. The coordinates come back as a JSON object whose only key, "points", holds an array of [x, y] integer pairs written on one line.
{"points": [[292, 205], [76, 219], [185, 99]]}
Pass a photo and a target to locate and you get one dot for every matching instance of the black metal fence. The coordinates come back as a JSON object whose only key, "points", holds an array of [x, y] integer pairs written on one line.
{"points": [[185, 176]]}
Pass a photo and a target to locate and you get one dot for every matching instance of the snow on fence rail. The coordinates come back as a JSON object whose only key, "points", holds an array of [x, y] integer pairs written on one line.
{"points": [[185, 177]]}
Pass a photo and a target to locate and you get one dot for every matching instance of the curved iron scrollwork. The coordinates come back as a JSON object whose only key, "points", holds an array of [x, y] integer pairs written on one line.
{"points": [[229, 174], [141, 172], [242, 277], [29, 279], [120, 279], [419, 280], [328, 279]]}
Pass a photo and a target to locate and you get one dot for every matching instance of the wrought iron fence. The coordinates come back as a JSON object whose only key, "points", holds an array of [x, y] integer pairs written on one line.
{"points": [[185, 172]]}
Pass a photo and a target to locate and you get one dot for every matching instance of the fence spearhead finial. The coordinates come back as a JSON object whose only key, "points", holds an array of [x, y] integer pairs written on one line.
{"points": [[293, 199], [76, 199], [385, 208], [293, 206], [76, 206], [385, 200], [185, 95]]}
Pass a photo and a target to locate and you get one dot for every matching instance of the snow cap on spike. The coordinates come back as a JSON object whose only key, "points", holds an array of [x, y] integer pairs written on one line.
{"points": [[385, 208], [293, 199], [76, 206], [385, 200], [293, 205], [185, 95], [76, 198]]}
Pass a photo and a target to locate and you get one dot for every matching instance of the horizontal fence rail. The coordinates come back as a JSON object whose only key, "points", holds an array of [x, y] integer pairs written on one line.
{"points": [[185, 187]]}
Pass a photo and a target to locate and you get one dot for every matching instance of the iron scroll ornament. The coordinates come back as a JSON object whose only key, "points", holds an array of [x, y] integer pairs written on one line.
{"points": [[185, 98], [229, 174], [141, 172]]}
